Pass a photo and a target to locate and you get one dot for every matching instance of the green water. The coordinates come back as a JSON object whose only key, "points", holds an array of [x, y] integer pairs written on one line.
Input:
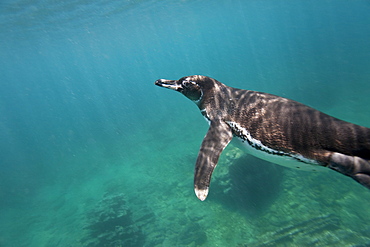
{"points": [[93, 154]]}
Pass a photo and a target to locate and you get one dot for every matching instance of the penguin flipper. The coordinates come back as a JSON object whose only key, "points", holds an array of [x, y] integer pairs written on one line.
{"points": [[352, 166], [218, 136]]}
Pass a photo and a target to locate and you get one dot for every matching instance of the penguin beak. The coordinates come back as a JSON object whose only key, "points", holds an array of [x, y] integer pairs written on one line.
{"points": [[171, 84]]}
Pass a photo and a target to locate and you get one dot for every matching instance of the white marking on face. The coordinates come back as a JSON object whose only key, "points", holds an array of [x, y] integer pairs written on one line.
{"points": [[256, 148], [200, 98]]}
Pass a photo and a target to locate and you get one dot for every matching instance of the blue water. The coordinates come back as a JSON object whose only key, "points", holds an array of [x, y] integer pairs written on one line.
{"points": [[93, 154]]}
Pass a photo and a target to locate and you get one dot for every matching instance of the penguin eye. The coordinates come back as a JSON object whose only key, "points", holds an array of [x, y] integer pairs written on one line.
{"points": [[188, 84]]}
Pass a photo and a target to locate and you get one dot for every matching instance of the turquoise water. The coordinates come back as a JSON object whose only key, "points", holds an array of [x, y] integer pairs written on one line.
{"points": [[93, 154]]}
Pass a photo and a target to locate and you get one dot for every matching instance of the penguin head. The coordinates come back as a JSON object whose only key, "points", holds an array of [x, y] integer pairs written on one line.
{"points": [[190, 86]]}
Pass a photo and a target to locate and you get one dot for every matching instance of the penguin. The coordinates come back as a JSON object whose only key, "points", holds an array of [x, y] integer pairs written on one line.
{"points": [[273, 128]]}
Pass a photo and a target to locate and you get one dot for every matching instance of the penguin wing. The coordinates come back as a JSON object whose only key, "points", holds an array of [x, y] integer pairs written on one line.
{"points": [[218, 136]]}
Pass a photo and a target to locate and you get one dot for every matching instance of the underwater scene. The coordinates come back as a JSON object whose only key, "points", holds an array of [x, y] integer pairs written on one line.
{"points": [[93, 154]]}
